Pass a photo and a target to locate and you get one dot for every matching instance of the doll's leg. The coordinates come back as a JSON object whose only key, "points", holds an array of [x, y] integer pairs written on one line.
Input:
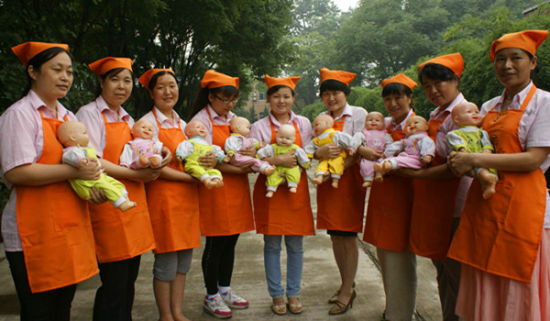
{"points": [[273, 181], [293, 178], [320, 172], [404, 160], [215, 177], [143, 160], [336, 169], [114, 190], [382, 168], [367, 171], [155, 160], [489, 180]]}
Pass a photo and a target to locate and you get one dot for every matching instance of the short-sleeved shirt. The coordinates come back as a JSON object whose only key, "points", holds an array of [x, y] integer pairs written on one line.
{"points": [[21, 142], [354, 121], [91, 116], [261, 129], [164, 121], [202, 116], [534, 126]]}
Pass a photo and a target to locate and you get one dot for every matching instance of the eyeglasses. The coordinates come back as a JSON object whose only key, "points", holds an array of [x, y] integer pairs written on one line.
{"points": [[227, 101]]}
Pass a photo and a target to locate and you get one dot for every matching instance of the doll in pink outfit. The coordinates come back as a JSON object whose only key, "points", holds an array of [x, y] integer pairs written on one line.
{"points": [[239, 139], [142, 151], [416, 150], [375, 136]]}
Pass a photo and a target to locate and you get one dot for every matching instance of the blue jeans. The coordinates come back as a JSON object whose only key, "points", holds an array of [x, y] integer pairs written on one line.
{"points": [[294, 264]]}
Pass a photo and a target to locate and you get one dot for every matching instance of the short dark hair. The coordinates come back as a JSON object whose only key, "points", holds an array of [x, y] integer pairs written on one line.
{"points": [[436, 72], [335, 85], [154, 79], [39, 59], [109, 74], [276, 88], [395, 88], [202, 97]]}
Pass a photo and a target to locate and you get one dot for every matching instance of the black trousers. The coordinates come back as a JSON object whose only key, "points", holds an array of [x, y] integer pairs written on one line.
{"points": [[217, 261], [115, 297], [53, 305]]}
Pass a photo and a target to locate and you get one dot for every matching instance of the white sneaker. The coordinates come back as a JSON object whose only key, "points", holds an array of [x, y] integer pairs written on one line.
{"points": [[234, 301], [217, 307]]}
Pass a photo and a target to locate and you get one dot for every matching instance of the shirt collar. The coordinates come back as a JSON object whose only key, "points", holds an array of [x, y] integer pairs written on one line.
{"points": [[275, 122], [401, 125], [103, 107], [216, 116], [37, 103], [346, 112], [163, 119], [518, 98], [458, 99]]}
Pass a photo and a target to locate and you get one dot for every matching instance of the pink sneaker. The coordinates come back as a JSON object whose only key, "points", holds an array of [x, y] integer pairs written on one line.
{"points": [[234, 301], [216, 307]]}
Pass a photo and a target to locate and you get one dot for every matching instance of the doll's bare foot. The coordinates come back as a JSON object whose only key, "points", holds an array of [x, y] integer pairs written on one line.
{"points": [[143, 160], [209, 183], [335, 182], [155, 161], [268, 170], [126, 206], [218, 182], [490, 180], [367, 184], [378, 172], [292, 189], [269, 194], [318, 180]]}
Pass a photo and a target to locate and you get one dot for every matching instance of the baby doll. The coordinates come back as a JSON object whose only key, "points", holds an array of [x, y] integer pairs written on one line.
{"points": [[375, 136], [240, 129], [74, 137], [325, 134], [284, 145], [472, 139], [196, 146], [142, 151], [416, 150]]}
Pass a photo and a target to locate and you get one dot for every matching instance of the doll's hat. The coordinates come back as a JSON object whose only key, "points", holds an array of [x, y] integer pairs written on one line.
{"points": [[103, 65], [452, 61], [288, 82], [214, 79], [400, 79], [528, 40], [27, 50], [342, 76], [145, 79]]}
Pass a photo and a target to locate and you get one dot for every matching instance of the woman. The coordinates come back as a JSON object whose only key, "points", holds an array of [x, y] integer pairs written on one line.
{"points": [[45, 226], [503, 242], [120, 238], [342, 229], [175, 219], [227, 211], [389, 212], [285, 214]]}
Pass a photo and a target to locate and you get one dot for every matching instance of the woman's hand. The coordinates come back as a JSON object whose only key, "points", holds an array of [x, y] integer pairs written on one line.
{"points": [[248, 151], [146, 175], [461, 163], [166, 156], [369, 153], [209, 160], [285, 160], [328, 151], [91, 170], [97, 196]]}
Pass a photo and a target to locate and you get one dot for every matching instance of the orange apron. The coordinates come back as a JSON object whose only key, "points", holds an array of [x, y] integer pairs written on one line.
{"points": [[121, 235], [285, 213], [175, 219], [54, 226], [389, 210], [432, 210], [342, 208], [502, 235], [226, 210]]}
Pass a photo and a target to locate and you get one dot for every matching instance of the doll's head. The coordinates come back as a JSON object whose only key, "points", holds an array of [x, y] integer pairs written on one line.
{"points": [[240, 125], [286, 135], [322, 123], [73, 133], [374, 121], [143, 129], [195, 128], [415, 124], [466, 114]]}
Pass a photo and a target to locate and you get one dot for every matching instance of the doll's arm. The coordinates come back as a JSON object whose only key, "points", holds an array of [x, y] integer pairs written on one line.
{"points": [[427, 146], [357, 140], [393, 148], [343, 140], [127, 156], [232, 145], [257, 144], [218, 152], [310, 149], [184, 149], [388, 140], [266, 151], [75, 156], [302, 157], [455, 141], [157, 147], [486, 142]]}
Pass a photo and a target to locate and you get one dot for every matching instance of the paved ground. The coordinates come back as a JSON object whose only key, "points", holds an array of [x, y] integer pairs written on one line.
{"points": [[320, 280]]}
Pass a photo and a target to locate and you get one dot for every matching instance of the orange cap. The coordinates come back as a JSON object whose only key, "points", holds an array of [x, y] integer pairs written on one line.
{"points": [[146, 77], [289, 82], [342, 76], [27, 50], [214, 79], [400, 79], [452, 61], [528, 40], [103, 65]]}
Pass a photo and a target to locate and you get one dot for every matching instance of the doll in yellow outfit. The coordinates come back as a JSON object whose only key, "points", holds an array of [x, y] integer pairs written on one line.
{"points": [[325, 134], [74, 137]]}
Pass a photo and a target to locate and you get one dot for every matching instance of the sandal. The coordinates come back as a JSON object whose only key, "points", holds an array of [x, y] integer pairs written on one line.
{"points": [[296, 307], [334, 297], [341, 308], [279, 309]]}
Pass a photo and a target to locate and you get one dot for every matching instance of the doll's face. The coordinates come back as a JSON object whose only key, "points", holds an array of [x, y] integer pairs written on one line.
{"points": [[466, 114], [195, 128], [322, 123], [240, 125], [285, 136], [143, 129], [374, 121], [73, 133], [415, 124]]}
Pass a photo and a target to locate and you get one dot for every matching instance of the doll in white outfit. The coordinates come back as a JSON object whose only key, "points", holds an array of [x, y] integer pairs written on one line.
{"points": [[142, 151], [74, 137], [189, 151], [284, 144], [325, 134], [470, 138], [416, 150], [375, 136], [240, 131]]}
